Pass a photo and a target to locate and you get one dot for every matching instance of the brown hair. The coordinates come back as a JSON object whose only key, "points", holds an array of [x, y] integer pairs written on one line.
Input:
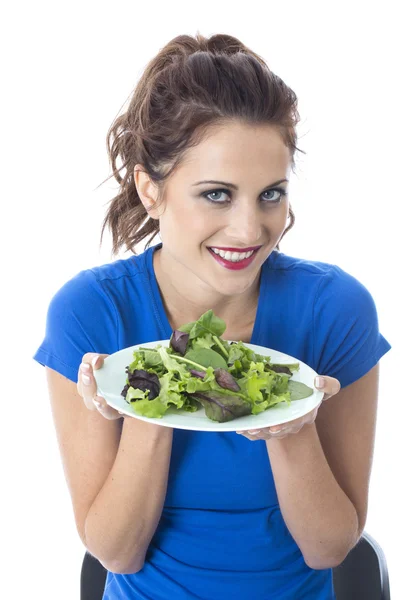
{"points": [[192, 84]]}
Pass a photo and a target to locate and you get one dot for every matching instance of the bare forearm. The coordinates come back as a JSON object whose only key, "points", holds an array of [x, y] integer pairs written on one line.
{"points": [[318, 514], [123, 518]]}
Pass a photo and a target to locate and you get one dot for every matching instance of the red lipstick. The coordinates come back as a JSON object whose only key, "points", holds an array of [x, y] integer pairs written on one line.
{"points": [[237, 249], [234, 266]]}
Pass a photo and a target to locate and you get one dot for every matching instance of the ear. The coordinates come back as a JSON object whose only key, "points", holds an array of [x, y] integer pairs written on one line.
{"points": [[147, 191]]}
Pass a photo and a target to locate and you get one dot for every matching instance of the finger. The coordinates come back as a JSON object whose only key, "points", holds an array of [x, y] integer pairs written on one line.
{"points": [[329, 385], [105, 410], [87, 386], [264, 435], [258, 434], [278, 432], [94, 359], [289, 425], [275, 429], [247, 435]]}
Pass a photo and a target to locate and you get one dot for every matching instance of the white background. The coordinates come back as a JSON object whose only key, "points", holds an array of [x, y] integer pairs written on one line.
{"points": [[67, 70]]}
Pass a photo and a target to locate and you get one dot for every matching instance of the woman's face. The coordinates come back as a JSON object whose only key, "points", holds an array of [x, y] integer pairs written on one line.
{"points": [[247, 208]]}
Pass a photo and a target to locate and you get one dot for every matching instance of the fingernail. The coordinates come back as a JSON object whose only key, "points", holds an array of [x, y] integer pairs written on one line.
{"points": [[94, 360], [85, 367], [319, 382], [85, 380], [275, 429], [254, 431]]}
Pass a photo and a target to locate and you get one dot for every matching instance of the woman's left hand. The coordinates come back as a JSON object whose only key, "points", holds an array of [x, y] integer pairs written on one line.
{"points": [[330, 386]]}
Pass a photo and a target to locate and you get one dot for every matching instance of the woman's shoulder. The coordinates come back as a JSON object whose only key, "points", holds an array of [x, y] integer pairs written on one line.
{"points": [[279, 261], [322, 283], [101, 290], [130, 268], [317, 274]]}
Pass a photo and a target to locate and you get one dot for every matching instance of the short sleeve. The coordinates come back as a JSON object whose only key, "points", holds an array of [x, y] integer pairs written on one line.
{"points": [[81, 318], [347, 340]]}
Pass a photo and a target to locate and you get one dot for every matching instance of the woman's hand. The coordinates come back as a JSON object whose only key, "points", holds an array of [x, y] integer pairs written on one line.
{"points": [[87, 387], [330, 386]]}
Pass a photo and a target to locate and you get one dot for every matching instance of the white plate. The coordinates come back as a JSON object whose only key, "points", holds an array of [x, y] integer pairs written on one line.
{"points": [[111, 379]]}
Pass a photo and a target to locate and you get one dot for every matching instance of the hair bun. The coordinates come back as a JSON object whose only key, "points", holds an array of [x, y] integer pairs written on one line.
{"points": [[185, 45], [221, 43]]}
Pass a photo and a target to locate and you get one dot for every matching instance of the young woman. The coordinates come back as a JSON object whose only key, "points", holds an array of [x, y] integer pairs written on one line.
{"points": [[205, 151]]}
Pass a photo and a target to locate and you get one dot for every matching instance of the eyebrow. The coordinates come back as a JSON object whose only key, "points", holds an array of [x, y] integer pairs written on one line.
{"points": [[235, 187]]}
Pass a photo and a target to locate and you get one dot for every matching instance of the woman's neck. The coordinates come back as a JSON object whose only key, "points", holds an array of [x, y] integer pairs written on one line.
{"points": [[184, 302]]}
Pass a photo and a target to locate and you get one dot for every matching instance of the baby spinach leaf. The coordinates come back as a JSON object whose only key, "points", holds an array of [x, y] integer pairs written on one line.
{"points": [[299, 390], [208, 323], [207, 358], [187, 328]]}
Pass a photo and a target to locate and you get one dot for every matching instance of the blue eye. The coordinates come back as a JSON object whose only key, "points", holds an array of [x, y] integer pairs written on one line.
{"points": [[215, 200], [281, 192]]}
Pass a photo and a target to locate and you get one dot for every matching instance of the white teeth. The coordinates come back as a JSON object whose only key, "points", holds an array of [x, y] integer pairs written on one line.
{"points": [[232, 256]]}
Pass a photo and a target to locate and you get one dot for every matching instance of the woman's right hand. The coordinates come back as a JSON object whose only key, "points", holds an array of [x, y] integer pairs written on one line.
{"points": [[87, 387]]}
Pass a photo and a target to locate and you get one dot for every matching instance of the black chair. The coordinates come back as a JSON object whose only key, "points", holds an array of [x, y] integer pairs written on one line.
{"points": [[363, 575], [93, 578]]}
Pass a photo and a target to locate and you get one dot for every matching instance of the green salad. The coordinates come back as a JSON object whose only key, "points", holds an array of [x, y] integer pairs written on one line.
{"points": [[198, 369]]}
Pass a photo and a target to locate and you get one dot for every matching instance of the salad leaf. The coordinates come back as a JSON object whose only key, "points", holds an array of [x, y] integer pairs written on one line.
{"points": [[171, 364], [200, 374], [154, 409], [208, 323], [282, 368], [144, 380], [299, 390], [226, 380], [179, 341], [207, 358], [135, 394], [221, 408], [206, 341], [272, 400], [256, 383]]}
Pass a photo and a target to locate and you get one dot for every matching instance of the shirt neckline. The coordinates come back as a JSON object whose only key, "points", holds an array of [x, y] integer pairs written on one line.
{"points": [[159, 306]]}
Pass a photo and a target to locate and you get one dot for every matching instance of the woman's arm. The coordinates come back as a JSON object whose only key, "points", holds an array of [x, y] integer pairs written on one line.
{"points": [[125, 514], [322, 473], [117, 478]]}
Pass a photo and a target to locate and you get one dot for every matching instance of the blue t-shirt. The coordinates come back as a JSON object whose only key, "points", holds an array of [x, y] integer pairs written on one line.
{"points": [[221, 533]]}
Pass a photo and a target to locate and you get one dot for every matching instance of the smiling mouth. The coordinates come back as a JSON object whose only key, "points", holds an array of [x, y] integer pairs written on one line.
{"points": [[233, 256]]}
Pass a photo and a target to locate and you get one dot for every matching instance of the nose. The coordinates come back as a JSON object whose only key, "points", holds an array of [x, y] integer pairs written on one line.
{"points": [[244, 225]]}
